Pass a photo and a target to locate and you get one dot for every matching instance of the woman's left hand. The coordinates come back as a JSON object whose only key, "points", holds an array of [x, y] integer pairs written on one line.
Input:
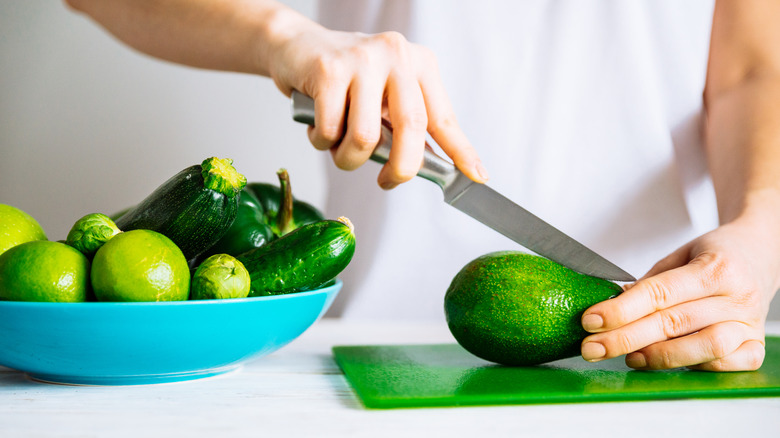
{"points": [[704, 306]]}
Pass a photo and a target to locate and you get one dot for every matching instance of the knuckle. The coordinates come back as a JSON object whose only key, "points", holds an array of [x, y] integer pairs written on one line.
{"points": [[715, 269], [364, 140], [414, 120], [717, 345], [622, 344], [674, 323], [324, 66], [362, 54], [756, 358], [440, 125], [718, 365], [658, 292], [666, 359], [329, 133], [399, 173], [393, 40], [329, 71]]}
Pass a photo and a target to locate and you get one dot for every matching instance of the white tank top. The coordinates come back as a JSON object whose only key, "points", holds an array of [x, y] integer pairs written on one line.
{"points": [[587, 113]]}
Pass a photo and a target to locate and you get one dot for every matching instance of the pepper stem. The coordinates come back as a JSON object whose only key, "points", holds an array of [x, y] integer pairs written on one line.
{"points": [[284, 218]]}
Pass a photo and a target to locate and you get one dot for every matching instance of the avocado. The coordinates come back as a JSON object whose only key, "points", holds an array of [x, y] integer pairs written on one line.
{"points": [[520, 309]]}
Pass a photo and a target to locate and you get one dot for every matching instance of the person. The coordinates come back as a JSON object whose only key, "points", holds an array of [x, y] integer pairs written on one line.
{"points": [[647, 130]]}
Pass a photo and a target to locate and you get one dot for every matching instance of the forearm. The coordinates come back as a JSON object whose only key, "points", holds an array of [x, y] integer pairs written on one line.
{"points": [[743, 113], [234, 35], [743, 148]]}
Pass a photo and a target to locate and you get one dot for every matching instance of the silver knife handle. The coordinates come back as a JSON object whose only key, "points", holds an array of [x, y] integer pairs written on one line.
{"points": [[434, 167]]}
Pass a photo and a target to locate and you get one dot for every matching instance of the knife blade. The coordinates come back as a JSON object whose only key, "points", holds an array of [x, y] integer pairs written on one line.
{"points": [[489, 207]]}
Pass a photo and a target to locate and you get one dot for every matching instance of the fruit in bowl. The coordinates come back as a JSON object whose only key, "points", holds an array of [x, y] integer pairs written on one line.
{"points": [[130, 299]]}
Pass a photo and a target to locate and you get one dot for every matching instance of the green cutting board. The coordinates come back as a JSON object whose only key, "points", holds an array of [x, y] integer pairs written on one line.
{"points": [[396, 376]]}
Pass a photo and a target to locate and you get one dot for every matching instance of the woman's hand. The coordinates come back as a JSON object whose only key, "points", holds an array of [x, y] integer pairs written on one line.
{"points": [[703, 307], [354, 80]]}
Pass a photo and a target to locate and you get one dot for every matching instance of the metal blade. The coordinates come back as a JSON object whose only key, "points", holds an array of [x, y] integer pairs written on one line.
{"points": [[499, 213]]}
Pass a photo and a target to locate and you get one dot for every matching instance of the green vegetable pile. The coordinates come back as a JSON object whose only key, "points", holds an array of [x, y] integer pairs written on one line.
{"points": [[226, 238]]}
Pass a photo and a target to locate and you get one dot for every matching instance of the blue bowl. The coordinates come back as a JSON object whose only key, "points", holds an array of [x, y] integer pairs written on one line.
{"points": [[142, 343]]}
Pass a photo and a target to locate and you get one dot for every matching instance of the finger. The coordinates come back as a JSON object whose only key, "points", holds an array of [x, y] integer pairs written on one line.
{"points": [[364, 122], [690, 282], [443, 126], [406, 108], [748, 357], [330, 104], [678, 258], [662, 325], [710, 344]]}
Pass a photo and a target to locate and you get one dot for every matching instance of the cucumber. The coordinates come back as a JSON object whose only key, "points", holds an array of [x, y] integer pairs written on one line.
{"points": [[301, 260], [194, 208]]}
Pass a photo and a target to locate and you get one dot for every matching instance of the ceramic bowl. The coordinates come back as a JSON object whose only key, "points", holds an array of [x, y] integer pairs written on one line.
{"points": [[143, 343]]}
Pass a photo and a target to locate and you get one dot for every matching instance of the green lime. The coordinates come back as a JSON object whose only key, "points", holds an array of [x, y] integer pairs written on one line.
{"points": [[17, 227], [42, 270], [140, 265], [220, 276]]}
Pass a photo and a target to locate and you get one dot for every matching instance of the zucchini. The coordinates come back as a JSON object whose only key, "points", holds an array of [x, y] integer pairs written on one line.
{"points": [[304, 259], [194, 208]]}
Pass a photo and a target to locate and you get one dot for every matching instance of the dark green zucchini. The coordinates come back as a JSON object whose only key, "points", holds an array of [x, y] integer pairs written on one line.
{"points": [[194, 208], [301, 260]]}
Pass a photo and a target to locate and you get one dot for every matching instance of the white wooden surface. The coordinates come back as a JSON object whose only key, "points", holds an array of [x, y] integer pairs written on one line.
{"points": [[300, 392]]}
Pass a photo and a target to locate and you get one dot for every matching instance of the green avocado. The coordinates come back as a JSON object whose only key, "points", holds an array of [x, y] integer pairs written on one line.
{"points": [[520, 309]]}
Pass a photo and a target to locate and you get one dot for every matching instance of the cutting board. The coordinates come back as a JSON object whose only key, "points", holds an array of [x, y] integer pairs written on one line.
{"points": [[396, 376]]}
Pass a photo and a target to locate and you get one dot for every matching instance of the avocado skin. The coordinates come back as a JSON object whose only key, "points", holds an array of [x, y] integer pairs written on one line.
{"points": [[519, 309]]}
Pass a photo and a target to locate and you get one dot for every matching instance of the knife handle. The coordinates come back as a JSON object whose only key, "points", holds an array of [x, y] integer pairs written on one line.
{"points": [[434, 168]]}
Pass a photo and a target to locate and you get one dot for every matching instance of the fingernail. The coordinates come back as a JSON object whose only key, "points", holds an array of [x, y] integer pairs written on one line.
{"points": [[593, 351], [387, 185], [592, 322], [636, 360], [482, 172]]}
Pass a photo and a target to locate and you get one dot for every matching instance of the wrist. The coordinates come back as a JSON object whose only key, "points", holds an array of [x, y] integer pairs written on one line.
{"points": [[759, 210], [279, 26]]}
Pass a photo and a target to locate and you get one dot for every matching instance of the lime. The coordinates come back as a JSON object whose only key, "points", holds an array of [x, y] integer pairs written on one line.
{"points": [[44, 271], [140, 265], [17, 227], [220, 276]]}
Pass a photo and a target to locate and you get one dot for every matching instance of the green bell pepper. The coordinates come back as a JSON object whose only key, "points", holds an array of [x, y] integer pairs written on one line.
{"points": [[248, 231], [281, 211]]}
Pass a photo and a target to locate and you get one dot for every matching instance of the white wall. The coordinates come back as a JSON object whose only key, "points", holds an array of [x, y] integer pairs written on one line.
{"points": [[88, 125]]}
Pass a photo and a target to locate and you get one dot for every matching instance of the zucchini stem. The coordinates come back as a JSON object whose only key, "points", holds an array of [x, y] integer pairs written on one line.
{"points": [[220, 175]]}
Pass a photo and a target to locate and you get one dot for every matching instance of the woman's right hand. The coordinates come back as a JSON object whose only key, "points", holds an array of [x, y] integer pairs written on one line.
{"points": [[356, 79]]}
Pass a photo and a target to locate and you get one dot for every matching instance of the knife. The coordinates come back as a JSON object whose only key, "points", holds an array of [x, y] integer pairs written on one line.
{"points": [[488, 206]]}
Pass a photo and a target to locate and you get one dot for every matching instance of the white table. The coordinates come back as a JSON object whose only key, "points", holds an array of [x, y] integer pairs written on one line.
{"points": [[300, 392]]}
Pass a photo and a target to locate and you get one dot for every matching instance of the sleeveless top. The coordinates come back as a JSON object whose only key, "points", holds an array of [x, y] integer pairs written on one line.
{"points": [[586, 113]]}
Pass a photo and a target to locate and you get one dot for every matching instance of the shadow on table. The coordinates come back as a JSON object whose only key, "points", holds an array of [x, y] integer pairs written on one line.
{"points": [[12, 378], [342, 390]]}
